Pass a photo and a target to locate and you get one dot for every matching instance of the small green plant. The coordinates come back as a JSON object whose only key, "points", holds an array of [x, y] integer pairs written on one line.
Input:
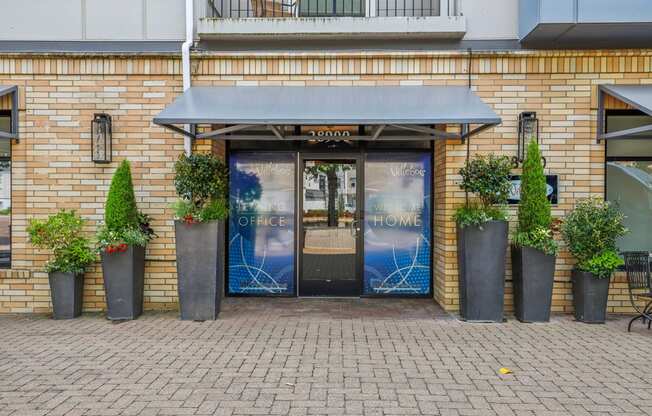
{"points": [[124, 225], [534, 218], [62, 235], [201, 183], [475, 215], [487, 177], [538, 238], [602, 265], [590, 231]]}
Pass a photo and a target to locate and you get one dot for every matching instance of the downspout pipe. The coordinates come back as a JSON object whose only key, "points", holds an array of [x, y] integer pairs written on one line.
{"points": [[185, 63]]}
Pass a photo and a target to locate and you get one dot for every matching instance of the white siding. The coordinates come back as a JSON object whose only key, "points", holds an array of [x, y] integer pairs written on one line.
{"points": [[490, 19], [74, 20]]}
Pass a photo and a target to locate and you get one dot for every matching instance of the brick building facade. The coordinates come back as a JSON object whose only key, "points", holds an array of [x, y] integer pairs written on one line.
{"points": [[52, 168]]}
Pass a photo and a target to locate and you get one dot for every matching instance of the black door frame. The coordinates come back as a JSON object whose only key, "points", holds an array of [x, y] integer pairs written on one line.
{"points": [[357, 157], [302, 152]]}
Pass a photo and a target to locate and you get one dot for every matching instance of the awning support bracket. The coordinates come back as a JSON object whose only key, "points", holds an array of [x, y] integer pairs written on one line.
{"points": [[276, 132], [224, 130], [376, 134], [180, 130]]}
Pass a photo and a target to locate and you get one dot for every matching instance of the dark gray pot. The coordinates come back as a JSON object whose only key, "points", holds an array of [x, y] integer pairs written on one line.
{"points": [[66, 290], [481, 262], [124, 282], [533, 274], [200, 269], [590, 296]]}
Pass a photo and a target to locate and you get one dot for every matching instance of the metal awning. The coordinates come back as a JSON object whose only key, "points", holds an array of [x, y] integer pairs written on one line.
{"points": [[11, 90], [637, 96], [415, 109]]}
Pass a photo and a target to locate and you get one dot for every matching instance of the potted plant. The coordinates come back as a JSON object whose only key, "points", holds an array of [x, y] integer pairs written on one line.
{"points": [[61, 234], [201, 183], [482, 238], [590, 232], [121, 241], [534, 248]]}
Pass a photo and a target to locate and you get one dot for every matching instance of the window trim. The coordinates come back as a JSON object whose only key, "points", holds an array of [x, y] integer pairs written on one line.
{"points": [[608, 159]]}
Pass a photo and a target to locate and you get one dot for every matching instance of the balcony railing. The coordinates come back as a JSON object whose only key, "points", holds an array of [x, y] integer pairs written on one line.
{"points": [[330, 8]]}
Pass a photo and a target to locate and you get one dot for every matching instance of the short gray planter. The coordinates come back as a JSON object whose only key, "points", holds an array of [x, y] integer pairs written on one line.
{"points": [[200, 269], [124, 282], [533, 274], [66, 290], [481, 261], [590, 296]]}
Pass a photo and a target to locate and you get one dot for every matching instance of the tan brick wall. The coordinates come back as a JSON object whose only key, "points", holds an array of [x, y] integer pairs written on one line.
{"points": [[52, 167]]}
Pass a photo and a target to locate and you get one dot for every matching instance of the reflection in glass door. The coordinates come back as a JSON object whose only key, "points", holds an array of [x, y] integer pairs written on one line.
{"points": [[329, 217]]}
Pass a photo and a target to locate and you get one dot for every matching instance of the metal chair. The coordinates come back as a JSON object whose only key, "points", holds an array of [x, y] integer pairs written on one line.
{"points": [[637, 265], [274, 8]]}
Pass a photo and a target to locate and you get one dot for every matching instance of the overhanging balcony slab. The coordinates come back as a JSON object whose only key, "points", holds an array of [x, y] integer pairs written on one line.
{"points": [[434, 27]]}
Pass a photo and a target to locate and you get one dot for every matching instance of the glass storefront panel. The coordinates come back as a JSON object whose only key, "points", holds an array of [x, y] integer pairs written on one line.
{"points": [[397, 224], [261, 245], [629, 184]]}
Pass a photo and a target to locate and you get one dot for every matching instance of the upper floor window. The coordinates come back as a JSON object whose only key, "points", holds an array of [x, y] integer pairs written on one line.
{"points": [[5, 192], [629, 178]]}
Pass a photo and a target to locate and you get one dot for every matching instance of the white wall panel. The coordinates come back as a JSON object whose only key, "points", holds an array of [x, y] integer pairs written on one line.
{"points": [[490, 19], [40, 19]]}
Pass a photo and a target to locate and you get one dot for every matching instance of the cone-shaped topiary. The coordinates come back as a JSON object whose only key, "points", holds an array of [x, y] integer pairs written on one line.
{"points": [[534, 218], [121, 212], [534, 207]]}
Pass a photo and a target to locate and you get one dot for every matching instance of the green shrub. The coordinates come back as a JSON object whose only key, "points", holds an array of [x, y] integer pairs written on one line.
{"points": [[534, 218], [62, 235], [121, 211], [487, 177], [123, 225], [538, 238], [201, 183], [602, 265], [590, 231], [476, 215]]}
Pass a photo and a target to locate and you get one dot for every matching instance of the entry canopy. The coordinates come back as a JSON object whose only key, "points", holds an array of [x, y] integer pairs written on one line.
{"points": [[12, 92], [246, 112], [636, 96]]}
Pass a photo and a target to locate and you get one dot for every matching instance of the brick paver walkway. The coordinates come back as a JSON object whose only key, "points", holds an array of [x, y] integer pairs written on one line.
{"points": [[319, 357]]}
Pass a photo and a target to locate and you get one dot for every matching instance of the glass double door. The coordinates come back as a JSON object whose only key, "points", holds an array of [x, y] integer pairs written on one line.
{"points": [[330, 238]]}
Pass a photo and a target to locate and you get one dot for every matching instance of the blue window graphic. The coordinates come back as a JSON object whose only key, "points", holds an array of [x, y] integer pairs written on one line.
{"points": [[261, 223], [397, 224]]}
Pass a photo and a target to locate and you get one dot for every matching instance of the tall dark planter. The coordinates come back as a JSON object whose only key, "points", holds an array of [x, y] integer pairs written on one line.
{"points": [[481, 262], [124, 282], [533, 273], [200, 269], [590, 296], [66, 291]]}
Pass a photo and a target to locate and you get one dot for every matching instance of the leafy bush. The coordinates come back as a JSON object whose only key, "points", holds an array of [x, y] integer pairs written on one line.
{"points": [[602, 265], [534, 219], [538, 238], [201, 183], [476, 215], [62, 235], [123, 225], [488, 178], [590, 232]]}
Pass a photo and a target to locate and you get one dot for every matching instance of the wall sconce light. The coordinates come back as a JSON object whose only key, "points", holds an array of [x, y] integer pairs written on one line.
{"points": [[528, 127], [101, 138]]}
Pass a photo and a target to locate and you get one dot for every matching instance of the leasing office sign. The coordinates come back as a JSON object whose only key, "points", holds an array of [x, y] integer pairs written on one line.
{"points": [[552, 185]]}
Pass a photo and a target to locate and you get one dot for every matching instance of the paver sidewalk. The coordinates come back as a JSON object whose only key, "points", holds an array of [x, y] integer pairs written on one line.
{"points": [[322, 357]]}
